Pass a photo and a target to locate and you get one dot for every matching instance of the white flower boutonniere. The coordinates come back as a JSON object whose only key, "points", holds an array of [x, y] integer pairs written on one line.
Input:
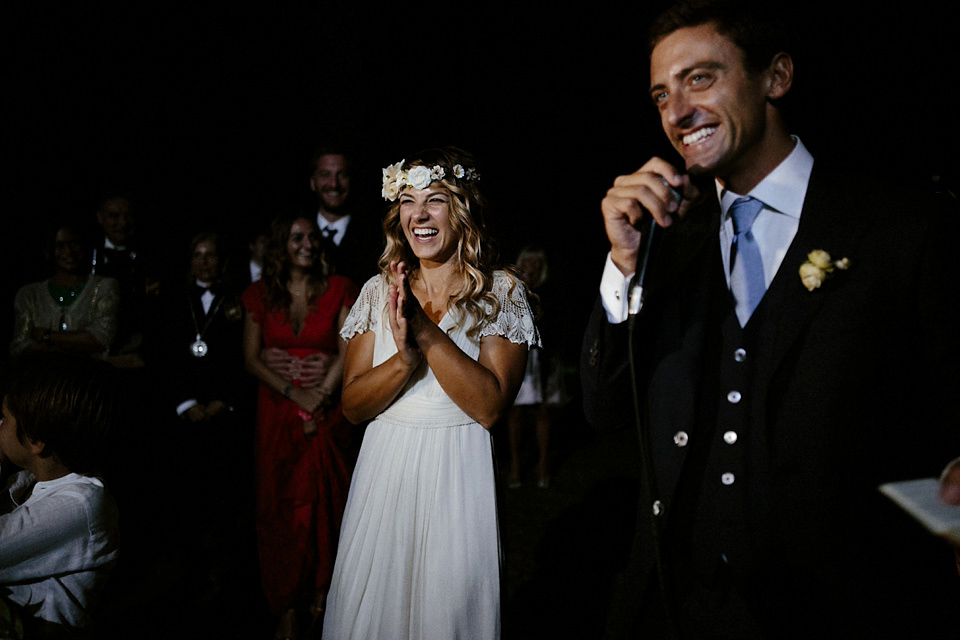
{"points": [[818, 267]]}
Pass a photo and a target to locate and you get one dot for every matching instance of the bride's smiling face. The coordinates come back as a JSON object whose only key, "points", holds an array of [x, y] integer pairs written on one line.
{"points": [[425, 220]]}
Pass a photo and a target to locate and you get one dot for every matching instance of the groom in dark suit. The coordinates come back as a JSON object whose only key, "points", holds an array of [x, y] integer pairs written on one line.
{"points": [[797, 347]]}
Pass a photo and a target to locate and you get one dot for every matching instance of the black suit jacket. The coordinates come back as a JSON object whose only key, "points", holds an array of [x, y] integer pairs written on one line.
{"points": [[137, 271], [357, 254], [847, 386], [219, 375]]}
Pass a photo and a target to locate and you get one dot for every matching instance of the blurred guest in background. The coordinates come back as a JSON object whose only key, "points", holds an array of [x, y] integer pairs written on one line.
{"points": [[258, 250], [303, 453], [119, 255], [210, 405], [72, 310], [531, 399], [352, 239], [205, 332]]}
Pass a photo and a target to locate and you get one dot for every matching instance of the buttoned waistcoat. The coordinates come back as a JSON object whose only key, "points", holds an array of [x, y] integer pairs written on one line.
{"points": [[825, 394]]}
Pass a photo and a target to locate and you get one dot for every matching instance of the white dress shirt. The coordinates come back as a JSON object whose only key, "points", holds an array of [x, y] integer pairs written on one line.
{"points": [[255, 271], [340, 227], [207, 298], [58, 545], [109, 245], [782, 192]]}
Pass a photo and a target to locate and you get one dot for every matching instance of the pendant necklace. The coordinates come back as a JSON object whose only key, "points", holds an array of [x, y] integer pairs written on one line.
{"points": [[199, 348]]}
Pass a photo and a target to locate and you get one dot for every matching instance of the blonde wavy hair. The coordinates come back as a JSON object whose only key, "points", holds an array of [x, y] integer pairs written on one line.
{"points": [[476, 253]]}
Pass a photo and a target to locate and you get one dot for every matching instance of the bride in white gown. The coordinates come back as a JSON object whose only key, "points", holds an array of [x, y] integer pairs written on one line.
{"points": [[437, 349]]}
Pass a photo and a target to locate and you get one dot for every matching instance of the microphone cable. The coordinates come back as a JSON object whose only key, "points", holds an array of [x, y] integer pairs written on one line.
{"points": [[635, 303]]}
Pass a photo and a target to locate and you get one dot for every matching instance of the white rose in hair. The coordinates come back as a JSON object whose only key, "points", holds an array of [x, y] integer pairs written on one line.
{"points": [[391, 181], [419, 177]]}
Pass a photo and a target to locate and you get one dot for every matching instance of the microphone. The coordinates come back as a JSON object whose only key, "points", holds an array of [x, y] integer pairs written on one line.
{"points": [[636, 297]]}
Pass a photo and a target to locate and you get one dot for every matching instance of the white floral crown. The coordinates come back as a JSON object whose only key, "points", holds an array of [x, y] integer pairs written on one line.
{"points": [[395, 179]]}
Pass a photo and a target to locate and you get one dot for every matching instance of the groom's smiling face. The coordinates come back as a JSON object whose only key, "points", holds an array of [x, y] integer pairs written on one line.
{"points": [[715, 111]]}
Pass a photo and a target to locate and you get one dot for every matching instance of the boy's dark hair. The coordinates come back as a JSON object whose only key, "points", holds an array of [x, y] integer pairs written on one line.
{"points": [[68, 403], [757, 28]]}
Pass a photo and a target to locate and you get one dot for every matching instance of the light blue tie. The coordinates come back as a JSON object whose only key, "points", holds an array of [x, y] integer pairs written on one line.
{"points": [[748, 284]]}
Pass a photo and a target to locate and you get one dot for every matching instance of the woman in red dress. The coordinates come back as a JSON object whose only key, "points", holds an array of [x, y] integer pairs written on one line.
{"points": [[303, 453]]}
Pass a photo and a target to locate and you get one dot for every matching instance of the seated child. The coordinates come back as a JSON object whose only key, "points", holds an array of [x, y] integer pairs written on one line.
{"points": [[58, 526]]}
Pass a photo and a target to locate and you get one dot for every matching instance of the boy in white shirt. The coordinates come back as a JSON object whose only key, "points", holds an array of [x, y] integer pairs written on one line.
{"points": [[58, 525]]}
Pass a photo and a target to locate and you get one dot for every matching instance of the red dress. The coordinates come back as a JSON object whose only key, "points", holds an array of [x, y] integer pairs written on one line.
{"points": [[301, 482]]}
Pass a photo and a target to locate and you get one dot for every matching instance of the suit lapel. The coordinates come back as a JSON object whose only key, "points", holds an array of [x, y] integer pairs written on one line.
{"points": [[830, 221], [687, 284], [833, 219]]}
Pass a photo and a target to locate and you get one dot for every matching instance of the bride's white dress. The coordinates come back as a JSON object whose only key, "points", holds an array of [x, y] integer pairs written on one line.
{"points": [[419, 553]]}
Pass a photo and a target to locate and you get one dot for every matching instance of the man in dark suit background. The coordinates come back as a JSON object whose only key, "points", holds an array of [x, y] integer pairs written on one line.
{"points": [[203, 331], [208, 403], [352, 239], [122, 255], [771, 407]]}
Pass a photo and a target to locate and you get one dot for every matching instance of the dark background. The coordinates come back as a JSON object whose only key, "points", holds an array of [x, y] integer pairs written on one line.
{"points": [[208, 109]]}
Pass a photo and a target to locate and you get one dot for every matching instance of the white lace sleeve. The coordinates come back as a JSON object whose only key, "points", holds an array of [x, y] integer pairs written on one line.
{"points": [[515, 321], [366, 312]]}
